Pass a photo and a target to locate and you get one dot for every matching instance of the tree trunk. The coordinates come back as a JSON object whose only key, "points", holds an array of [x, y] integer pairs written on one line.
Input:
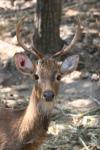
{"points": [[47, 33]]}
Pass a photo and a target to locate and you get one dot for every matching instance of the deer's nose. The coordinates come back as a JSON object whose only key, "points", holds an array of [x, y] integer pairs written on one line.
{"points": [[48, 95]]}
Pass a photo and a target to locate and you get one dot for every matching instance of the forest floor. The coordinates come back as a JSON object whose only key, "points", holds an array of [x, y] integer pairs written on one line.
{"points": [[75, 121]]}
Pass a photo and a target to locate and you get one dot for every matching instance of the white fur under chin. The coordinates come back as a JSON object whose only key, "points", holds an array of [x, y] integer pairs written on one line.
{"points": [[46, 107]]}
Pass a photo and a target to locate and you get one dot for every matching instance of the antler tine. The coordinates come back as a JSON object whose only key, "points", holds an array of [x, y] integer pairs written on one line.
{"points": [[76, 36], [32, 50]]}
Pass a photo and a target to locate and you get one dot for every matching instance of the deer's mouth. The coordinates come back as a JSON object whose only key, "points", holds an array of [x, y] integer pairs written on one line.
{"points": [[46, 107]]}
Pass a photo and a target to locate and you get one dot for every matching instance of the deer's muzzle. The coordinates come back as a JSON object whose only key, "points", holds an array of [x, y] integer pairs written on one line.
{"points": [[48, 95]]}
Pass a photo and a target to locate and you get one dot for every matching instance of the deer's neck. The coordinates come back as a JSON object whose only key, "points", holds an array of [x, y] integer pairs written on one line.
{"points": [[34, 123]]}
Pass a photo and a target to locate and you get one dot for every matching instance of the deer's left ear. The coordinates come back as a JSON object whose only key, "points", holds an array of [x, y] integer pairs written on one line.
{"points": [[69, 64]]}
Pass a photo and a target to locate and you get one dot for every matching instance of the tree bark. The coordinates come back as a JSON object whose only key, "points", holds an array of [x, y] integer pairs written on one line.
{"points": [[47, 33]]}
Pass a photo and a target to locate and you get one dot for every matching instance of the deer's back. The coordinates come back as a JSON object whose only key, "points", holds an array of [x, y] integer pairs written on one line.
{"points": [[9, 124]]}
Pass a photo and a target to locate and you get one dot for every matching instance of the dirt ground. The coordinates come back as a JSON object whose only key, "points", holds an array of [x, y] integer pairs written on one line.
{"points": [[75, 121]]}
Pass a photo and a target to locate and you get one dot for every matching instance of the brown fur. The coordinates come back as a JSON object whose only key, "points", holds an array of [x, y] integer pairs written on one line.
{"points": [[26, 129]]}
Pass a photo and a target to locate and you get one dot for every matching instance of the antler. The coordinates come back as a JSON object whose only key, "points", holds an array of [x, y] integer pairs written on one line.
{"points": [[32, 50], [76, 36]]}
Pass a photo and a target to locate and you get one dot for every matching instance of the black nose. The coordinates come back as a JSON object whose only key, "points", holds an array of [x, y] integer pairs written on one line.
{"points": [[49, 95]]}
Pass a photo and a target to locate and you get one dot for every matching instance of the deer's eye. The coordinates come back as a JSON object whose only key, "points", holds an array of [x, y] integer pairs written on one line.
{"points": [[58, 77], [36, 76]]}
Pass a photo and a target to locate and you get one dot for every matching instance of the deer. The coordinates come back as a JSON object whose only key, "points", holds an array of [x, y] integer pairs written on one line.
{"points": [[26, 129]]}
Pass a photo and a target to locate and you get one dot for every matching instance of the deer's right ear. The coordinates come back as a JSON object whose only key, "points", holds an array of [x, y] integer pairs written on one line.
{"points": [[23, 63], [69, 64]]}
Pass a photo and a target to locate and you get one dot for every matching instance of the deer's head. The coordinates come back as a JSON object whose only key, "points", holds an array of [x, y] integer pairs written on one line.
{"points": [[46, 72]]}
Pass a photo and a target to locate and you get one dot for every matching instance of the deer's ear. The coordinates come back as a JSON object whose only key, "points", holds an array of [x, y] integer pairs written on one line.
{"points": [[23, 63], [69, 64]]}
